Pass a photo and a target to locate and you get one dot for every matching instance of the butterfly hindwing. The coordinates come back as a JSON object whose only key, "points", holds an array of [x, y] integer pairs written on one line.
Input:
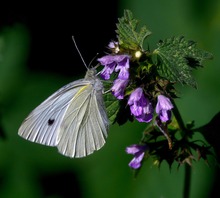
{"points": [[86, 116]]}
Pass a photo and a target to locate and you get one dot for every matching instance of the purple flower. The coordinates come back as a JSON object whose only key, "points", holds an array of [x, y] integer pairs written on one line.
{"points": [[147, 114], [118, 88], [163, 108], [123, 67], [114, 46], [109, 66], [140, 106], [138, 151], [117, 63]]}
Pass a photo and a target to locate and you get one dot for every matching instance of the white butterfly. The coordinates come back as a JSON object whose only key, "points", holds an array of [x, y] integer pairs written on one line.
{"points": [[73, 119]]}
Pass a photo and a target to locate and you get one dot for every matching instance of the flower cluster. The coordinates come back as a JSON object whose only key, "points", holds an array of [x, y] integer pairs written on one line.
{"points": [[117, 63], [142, 109], [141, 106], [143, 89]]}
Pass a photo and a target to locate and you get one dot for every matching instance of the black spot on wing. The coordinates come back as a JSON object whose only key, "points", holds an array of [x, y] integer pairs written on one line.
{"points": [[50, 121]]}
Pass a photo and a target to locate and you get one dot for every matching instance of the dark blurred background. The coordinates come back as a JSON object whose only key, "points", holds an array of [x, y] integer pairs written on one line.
{"points": [[51, 27], [38, 56]]}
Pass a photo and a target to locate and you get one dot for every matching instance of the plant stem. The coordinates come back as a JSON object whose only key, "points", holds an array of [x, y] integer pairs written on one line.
{"points": [[187, 178], [178, 117], [187, 181]]}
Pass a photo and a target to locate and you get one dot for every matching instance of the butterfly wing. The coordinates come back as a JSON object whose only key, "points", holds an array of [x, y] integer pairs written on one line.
{"points": [[74, 119], [43, 123], [85, 124]]}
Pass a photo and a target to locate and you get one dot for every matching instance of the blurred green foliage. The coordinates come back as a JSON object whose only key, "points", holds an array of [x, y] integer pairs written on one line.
{"points": [[31, 170]]}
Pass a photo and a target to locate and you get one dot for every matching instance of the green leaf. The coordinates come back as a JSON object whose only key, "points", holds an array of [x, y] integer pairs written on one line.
{"points": [[117, 110], [177, 57], [128, 37], [111, 104], [210, 132]]}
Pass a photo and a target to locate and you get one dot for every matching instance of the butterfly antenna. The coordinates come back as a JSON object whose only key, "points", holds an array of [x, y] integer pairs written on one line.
{"points": [[79, 52], [93, 60]]}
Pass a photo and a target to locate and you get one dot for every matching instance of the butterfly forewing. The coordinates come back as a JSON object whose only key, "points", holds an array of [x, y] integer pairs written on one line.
{"points": [[42, 124]]}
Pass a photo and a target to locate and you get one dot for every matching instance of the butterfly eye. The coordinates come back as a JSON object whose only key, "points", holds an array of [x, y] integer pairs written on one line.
{"points": [[50, 122]]}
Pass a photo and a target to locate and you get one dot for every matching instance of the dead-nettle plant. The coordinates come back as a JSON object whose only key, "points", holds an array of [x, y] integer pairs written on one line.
{"points": [[144, 89]]}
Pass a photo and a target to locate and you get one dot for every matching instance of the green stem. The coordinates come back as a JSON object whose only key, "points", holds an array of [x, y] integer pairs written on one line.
{"points": [[187, 181], [187, 178], [178, 117]]}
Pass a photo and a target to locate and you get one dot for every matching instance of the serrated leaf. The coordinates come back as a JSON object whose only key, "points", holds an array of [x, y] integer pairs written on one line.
{"points": [[176, 57], [128, 36]]}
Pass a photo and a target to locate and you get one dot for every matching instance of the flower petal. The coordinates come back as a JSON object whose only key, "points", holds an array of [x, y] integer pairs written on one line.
{"points": [[107, 71], [135, 96], [165, 115], [144, 118], [136, 161], [105, 60], [163, 103], [118, 88]]}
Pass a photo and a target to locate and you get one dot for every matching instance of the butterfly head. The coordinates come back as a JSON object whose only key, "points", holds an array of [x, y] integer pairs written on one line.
{"points": [[91, 74]]}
